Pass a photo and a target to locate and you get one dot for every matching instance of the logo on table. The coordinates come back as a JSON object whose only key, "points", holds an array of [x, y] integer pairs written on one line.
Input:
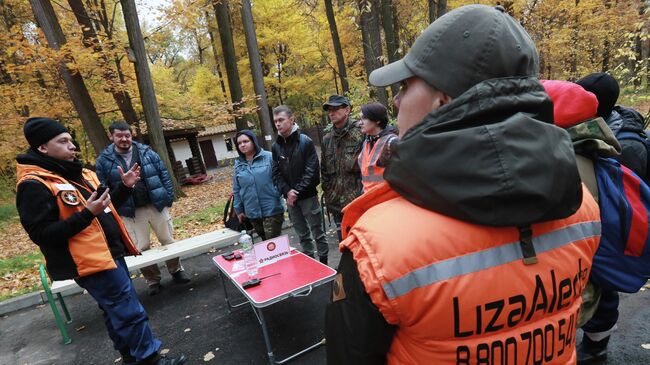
{"points": [[271, 246]]}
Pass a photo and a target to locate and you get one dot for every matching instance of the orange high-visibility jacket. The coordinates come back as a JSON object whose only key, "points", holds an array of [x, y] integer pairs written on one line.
{"points": [[88, 248], [460, 293], [371, 174]]}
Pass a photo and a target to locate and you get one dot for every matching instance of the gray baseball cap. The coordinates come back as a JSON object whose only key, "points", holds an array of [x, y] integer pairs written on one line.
{"points": [[468, 45]]}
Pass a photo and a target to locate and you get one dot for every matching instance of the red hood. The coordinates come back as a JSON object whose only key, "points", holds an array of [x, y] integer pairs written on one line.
{"points": [[571, 103]]}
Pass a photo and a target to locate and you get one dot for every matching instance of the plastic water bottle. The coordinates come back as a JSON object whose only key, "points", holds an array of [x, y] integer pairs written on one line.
{"points": [[250, 260]]}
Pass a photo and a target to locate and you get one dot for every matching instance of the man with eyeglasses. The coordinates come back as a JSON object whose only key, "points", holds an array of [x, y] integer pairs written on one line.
{"points": [[340, 173]]}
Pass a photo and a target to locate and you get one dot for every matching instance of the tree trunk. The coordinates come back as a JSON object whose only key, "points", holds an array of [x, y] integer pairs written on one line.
{"points": [[145, 85], [216, 55], [336, 43], [389, 34], [79, 95], [230, 58], [432, 10], [256, 72], [441, 8], [371, 38], [90, 40], [638, 49]]}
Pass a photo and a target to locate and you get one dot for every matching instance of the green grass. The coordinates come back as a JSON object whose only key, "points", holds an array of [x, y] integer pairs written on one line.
{"points": [[22, 291], [631, 97], [7, 213], [19, 263]]}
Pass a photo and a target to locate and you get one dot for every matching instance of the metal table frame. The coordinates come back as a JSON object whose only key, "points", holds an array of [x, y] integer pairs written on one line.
{"points": [[258, 307]]}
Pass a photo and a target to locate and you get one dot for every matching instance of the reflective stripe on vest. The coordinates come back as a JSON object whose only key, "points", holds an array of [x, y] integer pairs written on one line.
{"points": [[486, 259]]}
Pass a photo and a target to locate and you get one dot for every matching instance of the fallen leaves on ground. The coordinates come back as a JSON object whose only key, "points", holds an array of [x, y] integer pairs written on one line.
{"points": [[14, 241], [209, 356]]}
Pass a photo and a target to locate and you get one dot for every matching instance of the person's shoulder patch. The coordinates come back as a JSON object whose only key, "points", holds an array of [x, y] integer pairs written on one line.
{"points": [[338, 291], [69, 197]]}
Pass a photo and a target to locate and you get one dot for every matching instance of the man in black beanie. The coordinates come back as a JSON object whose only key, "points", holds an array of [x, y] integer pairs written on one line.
{"points": [[627, 125], [81, 236]]}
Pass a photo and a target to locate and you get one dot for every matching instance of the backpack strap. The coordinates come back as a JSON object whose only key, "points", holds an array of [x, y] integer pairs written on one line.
{"points": [[226, 211], [587, 174]]}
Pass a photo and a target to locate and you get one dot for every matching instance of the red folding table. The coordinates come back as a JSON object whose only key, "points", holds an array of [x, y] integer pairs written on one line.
{"points": [[294, 276]]}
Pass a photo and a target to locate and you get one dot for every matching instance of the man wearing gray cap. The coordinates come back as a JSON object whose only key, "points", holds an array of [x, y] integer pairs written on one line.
{"points": [[479, 243]]}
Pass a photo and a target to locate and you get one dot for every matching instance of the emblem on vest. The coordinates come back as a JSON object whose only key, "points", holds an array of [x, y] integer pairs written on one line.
{"points": [[69, 198]]}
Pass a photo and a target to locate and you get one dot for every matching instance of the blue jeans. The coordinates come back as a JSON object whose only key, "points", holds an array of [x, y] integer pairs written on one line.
{"points": [[125, 318]]}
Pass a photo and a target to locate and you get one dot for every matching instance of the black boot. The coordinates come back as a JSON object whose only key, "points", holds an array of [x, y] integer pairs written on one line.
{"points": [[323, 259], [127, 359], [592, 352]]}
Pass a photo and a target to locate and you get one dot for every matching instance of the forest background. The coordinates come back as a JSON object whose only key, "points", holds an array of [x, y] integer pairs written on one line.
{"points": [[207, 70]]}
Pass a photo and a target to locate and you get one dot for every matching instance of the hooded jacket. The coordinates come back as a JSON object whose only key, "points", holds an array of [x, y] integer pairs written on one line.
{"points": [[252, 183], [153, 175], [485, 158], [295, 164], [488, 185]]}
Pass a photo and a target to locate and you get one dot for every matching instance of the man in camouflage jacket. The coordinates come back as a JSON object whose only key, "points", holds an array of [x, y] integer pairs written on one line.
{"points": [[340, 173]]}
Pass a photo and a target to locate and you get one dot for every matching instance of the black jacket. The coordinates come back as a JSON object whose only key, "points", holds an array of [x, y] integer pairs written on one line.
{"points": [[39, 215], [634, 153], [295, 165]]}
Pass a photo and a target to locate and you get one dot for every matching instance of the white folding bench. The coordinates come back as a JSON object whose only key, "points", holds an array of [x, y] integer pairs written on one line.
{"points": [[188, 247]]}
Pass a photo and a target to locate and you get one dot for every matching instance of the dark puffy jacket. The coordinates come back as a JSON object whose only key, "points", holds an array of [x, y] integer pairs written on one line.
{"points": [[295, 165], [634, 153], [153, 174]]}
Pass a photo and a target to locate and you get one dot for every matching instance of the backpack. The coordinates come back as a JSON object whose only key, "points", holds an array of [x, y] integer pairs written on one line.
{"points": [[622, 261], [230, 219]]}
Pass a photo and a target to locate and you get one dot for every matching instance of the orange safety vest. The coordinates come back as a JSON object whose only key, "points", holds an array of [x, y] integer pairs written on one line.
{"points": [[460, 293], [88, 248], [371, 174]]}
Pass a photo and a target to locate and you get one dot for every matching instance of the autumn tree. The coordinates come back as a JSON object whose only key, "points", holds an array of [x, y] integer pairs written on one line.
{"points": [[336, 43], [371, 39], [113, 84], [79, 94], [145, 86], [230, 57]]}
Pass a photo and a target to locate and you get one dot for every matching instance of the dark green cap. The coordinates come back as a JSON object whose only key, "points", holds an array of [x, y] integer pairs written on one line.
{"points": [[336, 100], [468, 45]]}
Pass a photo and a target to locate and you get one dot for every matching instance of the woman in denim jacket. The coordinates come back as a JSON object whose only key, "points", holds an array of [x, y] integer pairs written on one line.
{"points": [[255, 196]]}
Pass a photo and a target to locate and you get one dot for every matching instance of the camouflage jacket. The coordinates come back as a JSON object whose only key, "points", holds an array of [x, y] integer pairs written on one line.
{"points": [[340, 173], [593, 137]]}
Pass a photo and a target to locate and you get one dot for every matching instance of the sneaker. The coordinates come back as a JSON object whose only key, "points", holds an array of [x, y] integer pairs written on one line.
{"points": [[592, 352], [163, 360], [157, 359], [154, 289], [180, 277]]}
